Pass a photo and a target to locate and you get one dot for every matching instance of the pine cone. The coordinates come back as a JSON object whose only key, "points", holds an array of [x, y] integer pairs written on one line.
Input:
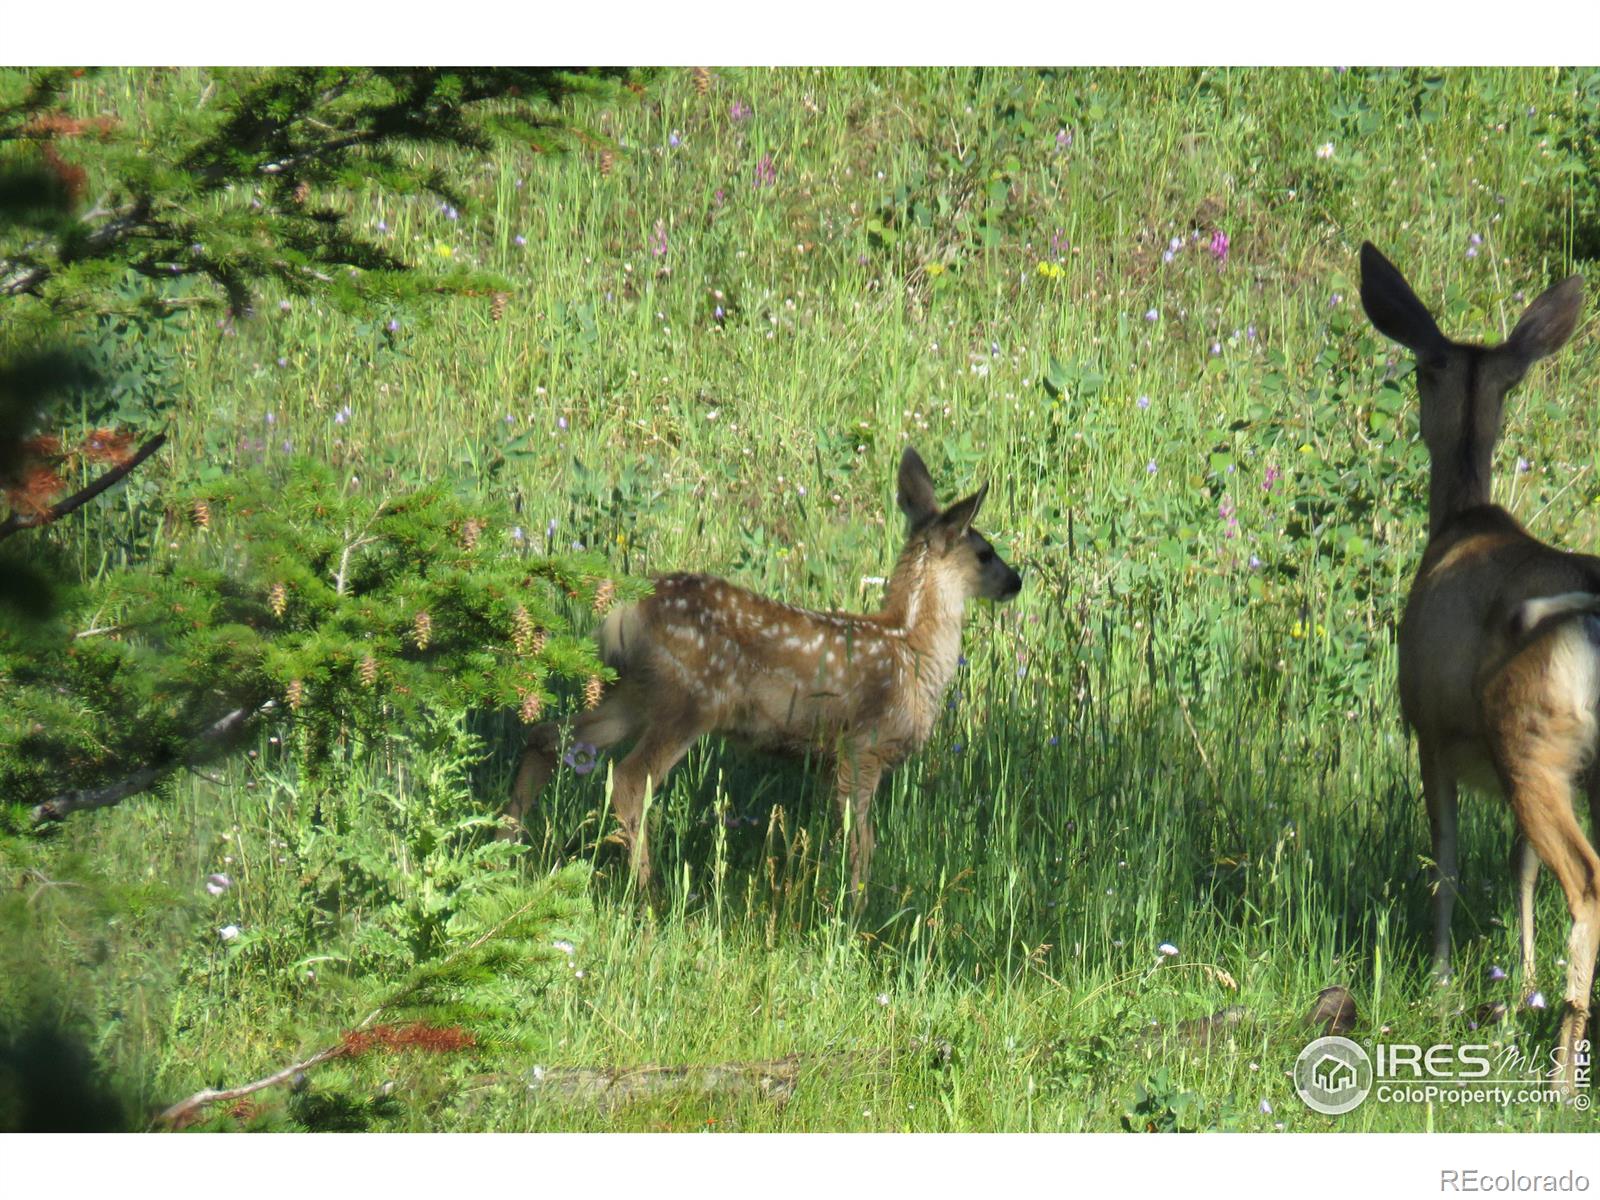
{"points": [[604, 596], [591, 692], [295, 694], [531, 707], [278, 600], [200, 514], [702, 80], [368, 670], [422, 629]]}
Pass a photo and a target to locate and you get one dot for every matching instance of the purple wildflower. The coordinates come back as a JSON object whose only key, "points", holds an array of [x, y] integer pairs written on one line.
{"points": [[1273, 475], [519, 240], [658, 239], [1255, 563], [1150, 467], [674, 140], [1219, 247], [1496, 974], [394, 325], [582, 757], [284, 306], [1153, 314], [1063, 140], [1230, 520], [383, 227], [738, 111], [1142, 402], [1523, 466], [561, 422], [766, 172], [283, 362], [342, 416]]}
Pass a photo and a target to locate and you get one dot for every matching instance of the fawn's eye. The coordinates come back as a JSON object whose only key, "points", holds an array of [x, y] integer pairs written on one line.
{"points": [[986, 555]]}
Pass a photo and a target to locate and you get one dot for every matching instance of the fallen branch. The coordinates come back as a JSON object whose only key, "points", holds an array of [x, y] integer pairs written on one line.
{"points": [[610, 1088], [17, 521], [144, 778]]}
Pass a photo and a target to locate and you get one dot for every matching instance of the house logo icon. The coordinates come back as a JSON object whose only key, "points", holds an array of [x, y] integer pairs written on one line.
{"points": [[1333, 1075]]}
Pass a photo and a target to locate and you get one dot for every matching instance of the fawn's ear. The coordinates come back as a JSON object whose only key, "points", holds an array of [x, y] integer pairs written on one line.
{"points": [[1548, 322], [915, 491], [1395, 311], [958, 518]]}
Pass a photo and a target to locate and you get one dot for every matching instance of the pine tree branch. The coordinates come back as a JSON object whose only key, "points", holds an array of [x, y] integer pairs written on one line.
{"points": [[185, 1111], [57, 807], [17, 521]]}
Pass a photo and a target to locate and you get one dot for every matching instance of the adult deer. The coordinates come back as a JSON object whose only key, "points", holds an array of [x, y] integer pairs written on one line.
{"points": [[1500, 642], [699, 655]]}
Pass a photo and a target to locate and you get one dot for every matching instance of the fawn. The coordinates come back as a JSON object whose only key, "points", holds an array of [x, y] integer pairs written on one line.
{"points": [[699, 655], [1500, 641]]}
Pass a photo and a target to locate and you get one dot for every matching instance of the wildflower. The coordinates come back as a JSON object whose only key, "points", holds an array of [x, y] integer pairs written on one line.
{"points": [[1266, 1108], [519, 240], [1167, 256], [883, 999], [1523, 466], [674, 140], [1273, 475], [516, 533], [1249, 333], [1052, 741], [561, 423], [228, 933], [738, 111], [1255, 563], [383, 227], [717, 313], [1167, 950], [1325, 150], [282, 362], [766, 172], [582, 757], [1230, 519], [1142, 402], [1175, 244], [1063, 140], [565, 947], [658, 240], [1335, 300], [1537, 1001], [1150, 467], [1472, 252], [450, 214], [217, 884], [394, 325], [284, 306], [1219, 247], [1152, 314], [342, 416], [1216, 349], [1496, 974], [1475, 240]]}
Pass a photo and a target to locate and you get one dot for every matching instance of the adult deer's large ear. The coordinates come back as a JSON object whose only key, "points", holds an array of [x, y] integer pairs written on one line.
{"points": [[1548, 322], [1395, 311], [915, 490]]}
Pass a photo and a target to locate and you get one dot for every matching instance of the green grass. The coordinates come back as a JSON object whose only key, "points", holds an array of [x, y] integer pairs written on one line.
{"points": [[1184, 730]]}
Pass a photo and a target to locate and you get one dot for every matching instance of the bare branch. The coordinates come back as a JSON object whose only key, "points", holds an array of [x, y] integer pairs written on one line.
{"points": [[57, 807], [19, 521]]}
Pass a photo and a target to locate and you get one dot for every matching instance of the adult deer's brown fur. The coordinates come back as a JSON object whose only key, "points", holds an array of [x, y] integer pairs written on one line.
{"points": [[1500, 642], [699, 655]]}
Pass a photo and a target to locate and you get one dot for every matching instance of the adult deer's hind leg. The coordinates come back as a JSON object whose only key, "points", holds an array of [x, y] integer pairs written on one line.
{"points": [[1439, 790]]}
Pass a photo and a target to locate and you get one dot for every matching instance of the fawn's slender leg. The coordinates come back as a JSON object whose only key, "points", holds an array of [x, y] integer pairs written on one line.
{"points": [[1439, 789], [858, 774], [658, 750], [1525, 865], [615, 720]]}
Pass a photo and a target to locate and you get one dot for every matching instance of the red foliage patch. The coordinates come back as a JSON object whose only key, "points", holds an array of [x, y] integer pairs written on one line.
{"points": [[416, 1036]]}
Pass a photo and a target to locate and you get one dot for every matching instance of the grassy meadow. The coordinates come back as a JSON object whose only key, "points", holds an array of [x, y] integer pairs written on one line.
{"points": [[1127, 300]]}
